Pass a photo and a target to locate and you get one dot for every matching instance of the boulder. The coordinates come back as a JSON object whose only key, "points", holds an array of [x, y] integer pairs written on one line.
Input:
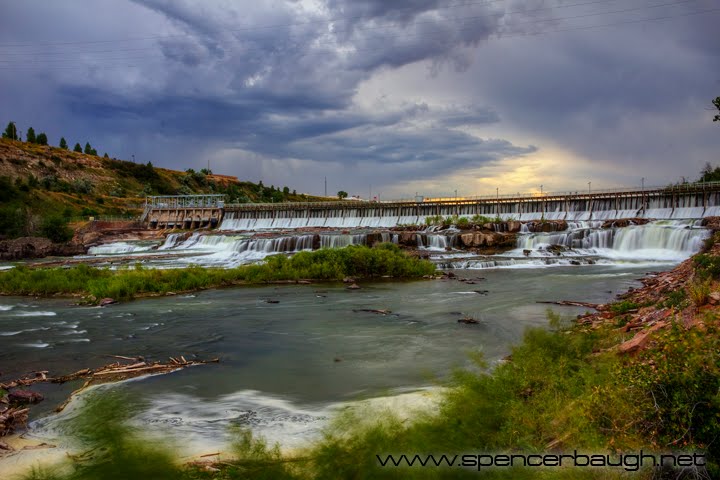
{"points": [[353, 286], [407, 239], [107, 301], [466, 239], [24, 396], [714, 298], [514, 226]]}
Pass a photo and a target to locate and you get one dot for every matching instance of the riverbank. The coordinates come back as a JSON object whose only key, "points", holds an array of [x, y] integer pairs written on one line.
{"points": [[95, 284]]}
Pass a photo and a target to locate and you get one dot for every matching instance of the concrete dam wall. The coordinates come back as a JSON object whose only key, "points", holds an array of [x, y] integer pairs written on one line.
{"points": [[690, 201]]}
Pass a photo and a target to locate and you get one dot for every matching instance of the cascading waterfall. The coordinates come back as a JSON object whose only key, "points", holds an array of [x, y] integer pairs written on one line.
{"points": [[121, 248], [341, 241], [662, 240]]}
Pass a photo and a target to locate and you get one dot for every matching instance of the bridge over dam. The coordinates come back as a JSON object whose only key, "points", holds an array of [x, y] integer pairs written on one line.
{"points": [[683, 201]]}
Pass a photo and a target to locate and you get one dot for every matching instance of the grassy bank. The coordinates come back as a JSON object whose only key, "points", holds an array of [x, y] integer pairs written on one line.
{"points": [[125, 284]]}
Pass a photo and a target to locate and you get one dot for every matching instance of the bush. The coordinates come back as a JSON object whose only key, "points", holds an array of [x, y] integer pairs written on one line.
{"points": [[699, 291], [707, 265], [55, 228]]}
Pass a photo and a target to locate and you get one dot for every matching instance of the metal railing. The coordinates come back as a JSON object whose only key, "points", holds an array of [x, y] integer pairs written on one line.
{"points": [[213, 200], [522, 197]]}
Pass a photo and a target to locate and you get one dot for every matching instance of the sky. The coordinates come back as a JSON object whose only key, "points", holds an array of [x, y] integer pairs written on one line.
{"points": [[382, 98]]}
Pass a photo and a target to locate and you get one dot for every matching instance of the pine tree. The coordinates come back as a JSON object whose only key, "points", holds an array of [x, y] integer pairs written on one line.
{"points": [[10, 131], [30, 137], [41, 139], [88, 148], [78, 148], [63, 143]]}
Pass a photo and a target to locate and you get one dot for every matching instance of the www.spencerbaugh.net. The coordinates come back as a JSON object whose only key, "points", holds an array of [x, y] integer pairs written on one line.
{"points": [[627, 461]]}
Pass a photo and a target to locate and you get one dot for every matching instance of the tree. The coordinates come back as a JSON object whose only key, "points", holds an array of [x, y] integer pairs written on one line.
{"points": [[77, 148], [342, 194], [106, 155], [10, 131], [63, 143], [30, 137], [716, 103], [88, 148], [206, 171], [41, 139], [709, 174], [55, 228]]}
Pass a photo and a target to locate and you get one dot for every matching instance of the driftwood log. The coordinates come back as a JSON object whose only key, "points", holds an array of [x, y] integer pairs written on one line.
{"points": [[13, 417], [568, 303]]}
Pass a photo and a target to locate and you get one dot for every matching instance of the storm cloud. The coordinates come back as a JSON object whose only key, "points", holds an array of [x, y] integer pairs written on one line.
{"points": [[426, 94]]}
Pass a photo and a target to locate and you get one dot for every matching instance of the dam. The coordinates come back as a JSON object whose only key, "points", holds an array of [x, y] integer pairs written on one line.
{"points": [[675, 202], [683, 201]]}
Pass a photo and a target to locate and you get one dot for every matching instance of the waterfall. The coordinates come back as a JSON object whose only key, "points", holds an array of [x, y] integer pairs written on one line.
{"points": [[340, 241], [660, 240], [119, 248]]}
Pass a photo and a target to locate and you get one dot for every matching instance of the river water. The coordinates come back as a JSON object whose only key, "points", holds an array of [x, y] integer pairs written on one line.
{"points": [[286, 366]]}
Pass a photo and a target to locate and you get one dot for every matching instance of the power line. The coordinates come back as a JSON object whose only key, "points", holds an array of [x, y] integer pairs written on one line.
{"points": [[404, 35], [496, 37]]}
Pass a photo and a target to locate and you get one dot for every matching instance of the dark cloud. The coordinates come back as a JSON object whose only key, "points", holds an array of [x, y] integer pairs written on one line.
{"points": [[282, 83]]}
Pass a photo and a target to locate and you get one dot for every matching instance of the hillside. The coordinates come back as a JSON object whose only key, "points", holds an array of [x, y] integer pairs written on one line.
{"points": [[42, 187]]}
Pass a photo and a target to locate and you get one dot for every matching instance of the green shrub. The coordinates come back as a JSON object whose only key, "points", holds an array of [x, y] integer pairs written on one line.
{"points": [[125, 283], [621, 308], [707, 265], [55, 228]]}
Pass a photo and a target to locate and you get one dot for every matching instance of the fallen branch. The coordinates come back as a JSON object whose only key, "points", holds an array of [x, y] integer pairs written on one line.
{"points": [[11, 418], [568, 303]]}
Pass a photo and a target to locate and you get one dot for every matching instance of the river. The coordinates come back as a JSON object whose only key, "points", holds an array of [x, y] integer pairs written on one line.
{"points": [[286, 366]]}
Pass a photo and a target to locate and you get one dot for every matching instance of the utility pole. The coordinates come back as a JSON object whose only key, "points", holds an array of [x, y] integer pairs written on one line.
{"points": [[497, 201], [133, 158], [541, 193], [326, 186], [642, 189], [589, 183]]}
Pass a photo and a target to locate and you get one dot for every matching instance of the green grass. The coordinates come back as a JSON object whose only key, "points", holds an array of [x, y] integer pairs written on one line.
{"points": [[125, 284]]}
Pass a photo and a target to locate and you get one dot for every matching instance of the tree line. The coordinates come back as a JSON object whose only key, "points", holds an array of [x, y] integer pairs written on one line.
{"points": [[41, 138]]}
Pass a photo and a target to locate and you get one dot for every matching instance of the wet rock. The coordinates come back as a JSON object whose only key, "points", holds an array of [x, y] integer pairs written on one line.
{"points": [[468, 321], [107, 301], [353, 286], [556, 249], [267, 300], [24, 396], [407, 239], [527, 252], [514, 226], [348, 280]]}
